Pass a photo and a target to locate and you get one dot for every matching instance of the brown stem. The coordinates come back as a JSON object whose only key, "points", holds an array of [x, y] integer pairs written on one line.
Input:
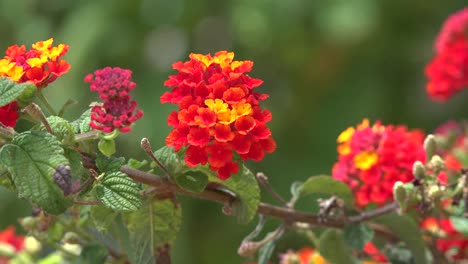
{"points": [[36, 112], [146, 146], [263, 180]]}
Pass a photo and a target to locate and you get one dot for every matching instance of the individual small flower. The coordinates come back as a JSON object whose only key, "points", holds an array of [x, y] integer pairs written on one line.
{"points": [[219, 117], [41, 65], [372, 158], [118, 111], [11, 242], [448, 240], [9, 114], [374, 253], [305, 255], [448, 70]]}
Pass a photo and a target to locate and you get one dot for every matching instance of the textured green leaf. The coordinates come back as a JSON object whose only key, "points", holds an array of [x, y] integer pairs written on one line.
{"points": [[75, 162], [194, 181], [136, 164], [171, 160], [81, 125], [118, 192], [324, 184], [32, 158], [460, 224], [333, 247], [106, 146], [92, 253], [408, 231], [5, 179], [62, 129], [10, 90], [357, 235], [152, 227], [109, 164]]}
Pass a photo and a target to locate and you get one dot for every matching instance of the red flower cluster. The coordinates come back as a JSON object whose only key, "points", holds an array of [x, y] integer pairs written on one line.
{"points": [[449, 241], [40, 65], [118, 109], [448, 71], [373, 158], [9, 114], [9, 239], [219, 114]]}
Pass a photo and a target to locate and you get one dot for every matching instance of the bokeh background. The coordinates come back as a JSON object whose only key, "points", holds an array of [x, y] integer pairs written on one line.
{"points": [[326, 65]]}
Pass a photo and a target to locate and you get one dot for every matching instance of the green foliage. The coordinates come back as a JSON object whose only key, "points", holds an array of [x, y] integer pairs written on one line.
{"points": [[324, 184], [136, 164], [333, 247], [81, 125], [10, 90], [31, 158], [102, 218], [408, 231], [171, 160], [75, 162], [118, 192], [460, 224], [106, 146], [92, 253], [193, 181], [152, 227], [109, 164], [357, 235], [61, 128]]}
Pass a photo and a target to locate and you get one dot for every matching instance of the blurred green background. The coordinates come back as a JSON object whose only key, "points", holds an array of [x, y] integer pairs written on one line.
{"points": [[326, 65]]}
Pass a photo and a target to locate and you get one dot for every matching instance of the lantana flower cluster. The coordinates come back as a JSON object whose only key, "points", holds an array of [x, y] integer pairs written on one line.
{"points": [[372, 158], [41, 65], [219, 114], [118, 110], [448, 240], [448, 70], [11, 242]]}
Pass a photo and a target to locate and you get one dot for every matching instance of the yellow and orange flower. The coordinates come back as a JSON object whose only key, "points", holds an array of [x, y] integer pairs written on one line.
{"points": [[40, 65], [219, 113], [372, 158]]}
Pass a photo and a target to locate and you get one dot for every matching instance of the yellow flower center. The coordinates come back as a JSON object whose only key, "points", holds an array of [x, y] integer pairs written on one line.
{"points": [[344, 139], [365, 160], [225, 115]]}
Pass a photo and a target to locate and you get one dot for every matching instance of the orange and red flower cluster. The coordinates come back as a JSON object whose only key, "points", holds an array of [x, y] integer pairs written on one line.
{"points": [[40, 65], [219, 113], [118, 109], [373, 158], [449, 241], [448, 70], [12, 241]]}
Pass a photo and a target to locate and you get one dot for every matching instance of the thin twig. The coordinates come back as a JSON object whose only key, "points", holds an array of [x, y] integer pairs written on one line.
{"points": [[367, 215], [146, 146], [263, 180], [87, 135], [36, 112]]}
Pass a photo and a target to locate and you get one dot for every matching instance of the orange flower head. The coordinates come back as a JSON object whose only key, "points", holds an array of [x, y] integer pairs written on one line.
{"points": [[372, 158], [40, 65], [219, 116]]}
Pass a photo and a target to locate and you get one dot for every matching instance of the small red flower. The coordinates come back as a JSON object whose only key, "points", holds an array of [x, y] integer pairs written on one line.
{"points": [[448, 70], [449, 241], [118, 110], [219, 114], [372, 158], [10, 239], [9, 114]]}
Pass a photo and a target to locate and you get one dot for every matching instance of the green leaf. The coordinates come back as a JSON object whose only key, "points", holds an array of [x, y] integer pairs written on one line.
{"points": [[62, 129], [32, 158], [136, 164], [171, 160], [152, 227], [5, 179], [193, 181], [118, 192], [81, 125], [103, 218], [408, 231], [10, 90], [333, 247], [109, 164], [107, 146], [324, 184], [75, 162], [357, 235], [92, 253], [245, 186], [460, 224]]}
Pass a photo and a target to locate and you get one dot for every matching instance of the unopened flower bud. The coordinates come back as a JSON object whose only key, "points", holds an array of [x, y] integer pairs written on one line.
{"points": [[71, 238], [399, 193], [248, 248], [31, 245], [430, 146], [437, 163], [73, 249], [419, 171], [435, 192], [28, 223]]}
